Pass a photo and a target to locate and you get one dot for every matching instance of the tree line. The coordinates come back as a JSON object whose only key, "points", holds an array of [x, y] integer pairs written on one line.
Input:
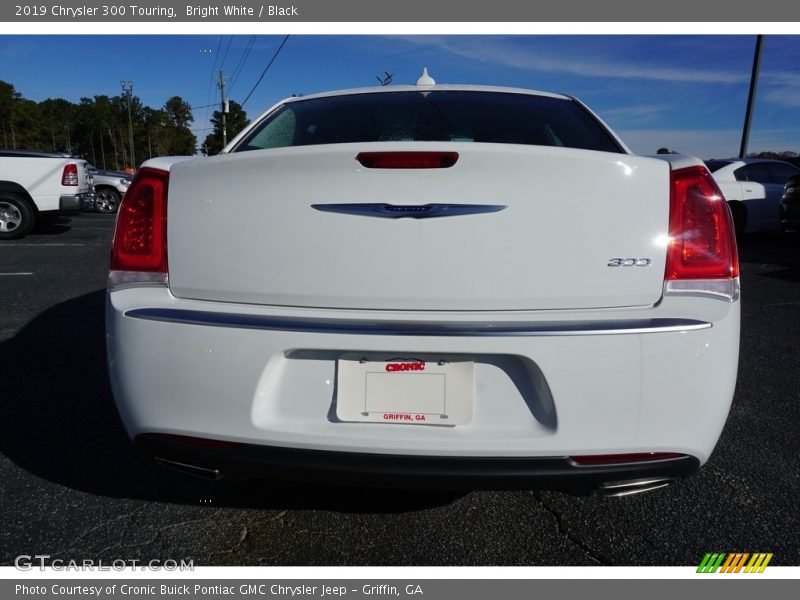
{"points": [[789, 156], [97, 128]]}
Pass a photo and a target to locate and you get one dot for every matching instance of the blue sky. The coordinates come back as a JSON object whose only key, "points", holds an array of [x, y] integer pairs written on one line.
{"points": [[685, 92]]}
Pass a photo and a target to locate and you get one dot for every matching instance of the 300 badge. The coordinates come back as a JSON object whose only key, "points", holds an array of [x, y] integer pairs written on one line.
{"points": [[630, 262]]}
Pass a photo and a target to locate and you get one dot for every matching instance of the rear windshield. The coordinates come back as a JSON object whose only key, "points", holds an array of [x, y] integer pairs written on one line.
{"points": [[440, 116], [716, 165]]}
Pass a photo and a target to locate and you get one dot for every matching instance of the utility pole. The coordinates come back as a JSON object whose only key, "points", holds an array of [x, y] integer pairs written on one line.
{"points": [[122, 145], [53, 130], [114, 143], [223, 107], [148, 122], [751, 96], [127, 89], [102, 149]]}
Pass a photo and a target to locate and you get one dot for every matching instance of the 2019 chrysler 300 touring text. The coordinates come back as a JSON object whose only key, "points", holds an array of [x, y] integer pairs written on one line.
{"points": [[431, 286]]}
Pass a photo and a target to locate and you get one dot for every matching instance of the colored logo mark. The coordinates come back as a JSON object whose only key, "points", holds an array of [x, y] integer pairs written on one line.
{"points": [[734, 562]]}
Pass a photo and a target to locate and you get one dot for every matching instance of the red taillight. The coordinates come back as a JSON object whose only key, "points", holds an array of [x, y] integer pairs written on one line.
{"points": [[616, 459], [702, 241], [70, 175], [140, 239], [407, 160]]}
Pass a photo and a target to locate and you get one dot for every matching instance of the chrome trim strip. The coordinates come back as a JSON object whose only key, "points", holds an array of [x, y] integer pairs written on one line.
{"points": [[635, 486], [400, 211], [415, 328], [194, 470], [719, 289], [120, 280], [634, 483]]}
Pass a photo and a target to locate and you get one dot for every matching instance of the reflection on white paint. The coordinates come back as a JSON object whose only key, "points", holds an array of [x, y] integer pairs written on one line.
{"points": [[626, 168]]}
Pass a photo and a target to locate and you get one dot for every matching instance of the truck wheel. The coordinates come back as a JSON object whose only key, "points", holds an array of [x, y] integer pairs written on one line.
{"points": [[16, 217], [106, 200]]}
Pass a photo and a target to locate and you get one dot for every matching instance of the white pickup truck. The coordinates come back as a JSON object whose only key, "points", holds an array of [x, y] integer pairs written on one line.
{"points": [[34, 184]]}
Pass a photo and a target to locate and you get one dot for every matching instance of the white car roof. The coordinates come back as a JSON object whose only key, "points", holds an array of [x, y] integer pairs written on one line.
{"points": [[727, 172], [426, 88]]}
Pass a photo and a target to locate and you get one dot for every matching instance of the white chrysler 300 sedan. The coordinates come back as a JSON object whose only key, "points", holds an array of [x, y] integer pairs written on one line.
{"points": [[431, 286]]}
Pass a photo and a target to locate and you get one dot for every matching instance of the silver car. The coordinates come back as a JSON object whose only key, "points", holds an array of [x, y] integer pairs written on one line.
{"points": [[109, 188]]}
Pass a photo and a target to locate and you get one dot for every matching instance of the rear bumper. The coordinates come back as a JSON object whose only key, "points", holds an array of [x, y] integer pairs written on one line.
{"points": [[546, 384], [75, 202], [249, 461]]}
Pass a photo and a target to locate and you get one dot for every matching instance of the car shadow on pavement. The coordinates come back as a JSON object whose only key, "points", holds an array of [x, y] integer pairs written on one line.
{"points": [[58, 422], [772, 250], [55, 225]]}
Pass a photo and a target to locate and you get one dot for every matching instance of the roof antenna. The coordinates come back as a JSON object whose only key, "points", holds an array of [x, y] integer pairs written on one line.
{"points": [[426, 79]]}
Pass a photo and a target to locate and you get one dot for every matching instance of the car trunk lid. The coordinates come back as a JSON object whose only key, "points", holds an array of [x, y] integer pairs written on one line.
{"points": [[272, 227]]}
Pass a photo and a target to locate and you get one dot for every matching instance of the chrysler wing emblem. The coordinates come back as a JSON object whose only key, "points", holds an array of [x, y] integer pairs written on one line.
{"points": [[418, 211]]}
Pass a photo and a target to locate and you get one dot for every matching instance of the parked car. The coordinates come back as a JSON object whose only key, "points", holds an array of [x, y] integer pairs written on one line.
{"points": [[753, 188], [109, 188], [35, 184], [426, 285], [790, 207]]}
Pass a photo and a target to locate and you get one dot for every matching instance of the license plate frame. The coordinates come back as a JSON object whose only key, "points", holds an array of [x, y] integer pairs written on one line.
{"points": [[406, 390]]}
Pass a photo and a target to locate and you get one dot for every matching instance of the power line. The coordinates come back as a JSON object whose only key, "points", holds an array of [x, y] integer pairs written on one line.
{"points": [[203, 106], [213, 66], [225, 55], [242, 60], [269, 64], [211, 78]]}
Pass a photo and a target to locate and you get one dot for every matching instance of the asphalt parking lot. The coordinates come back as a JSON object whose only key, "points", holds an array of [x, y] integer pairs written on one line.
{"points": [[72, 486]]}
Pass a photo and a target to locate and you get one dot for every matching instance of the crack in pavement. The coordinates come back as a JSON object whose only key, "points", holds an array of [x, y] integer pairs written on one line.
{"points": [[72, 547], [157, 535], [562, 529], [242, 537]]}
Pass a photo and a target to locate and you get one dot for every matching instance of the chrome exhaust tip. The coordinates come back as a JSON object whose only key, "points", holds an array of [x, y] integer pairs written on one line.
{"points": [[634, 486], [193, 470]]}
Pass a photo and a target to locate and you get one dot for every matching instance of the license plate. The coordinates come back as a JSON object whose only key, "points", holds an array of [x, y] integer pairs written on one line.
{"points": [[404, 390]]}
